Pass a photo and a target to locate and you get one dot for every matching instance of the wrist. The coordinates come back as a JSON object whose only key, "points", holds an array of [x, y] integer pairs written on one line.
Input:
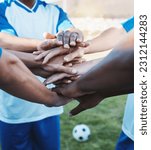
{"points": [[88, 49], [35, 43], [50, 98], [78, 90]]}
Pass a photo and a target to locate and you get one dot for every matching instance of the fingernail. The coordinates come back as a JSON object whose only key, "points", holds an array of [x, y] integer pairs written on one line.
{"points": [[69, 81], [79, 40], [74, 71], [44, 62], [72, 43], [66, 59], [66, 46], [60, 42]]}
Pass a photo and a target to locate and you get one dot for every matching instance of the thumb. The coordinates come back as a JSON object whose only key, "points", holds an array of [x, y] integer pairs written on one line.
{"points": [[67, 70], [83, 44], [47, 35], [73, 55], [77, 110]]}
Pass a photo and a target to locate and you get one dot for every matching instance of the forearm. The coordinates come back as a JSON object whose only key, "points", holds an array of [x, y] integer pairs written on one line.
{"points": [[19, 81], [114, 75], [106, 40], [19, 44], [27, 58]]}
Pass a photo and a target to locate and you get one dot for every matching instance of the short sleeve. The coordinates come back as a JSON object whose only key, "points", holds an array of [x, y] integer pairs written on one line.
{"points": [[5, 27], [63, 22], [129, 24], [0, 52]]}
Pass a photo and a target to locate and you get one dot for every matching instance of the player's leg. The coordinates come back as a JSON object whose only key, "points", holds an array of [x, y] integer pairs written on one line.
{"points": [[124, 142], [47, 133], [15, 136]]}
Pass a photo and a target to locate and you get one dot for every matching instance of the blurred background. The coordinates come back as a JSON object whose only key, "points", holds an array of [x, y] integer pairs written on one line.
{"points": [[105, 121]]}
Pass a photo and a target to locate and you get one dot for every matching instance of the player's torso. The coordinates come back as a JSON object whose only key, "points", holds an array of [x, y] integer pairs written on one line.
{"points": [[33, 24]]}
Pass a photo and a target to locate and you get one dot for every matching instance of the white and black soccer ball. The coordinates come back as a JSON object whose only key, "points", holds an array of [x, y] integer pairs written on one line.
{"points": [[81, 132]]}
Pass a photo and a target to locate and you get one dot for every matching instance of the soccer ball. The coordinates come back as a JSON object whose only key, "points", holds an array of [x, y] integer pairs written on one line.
{"points": [[81, 132]]}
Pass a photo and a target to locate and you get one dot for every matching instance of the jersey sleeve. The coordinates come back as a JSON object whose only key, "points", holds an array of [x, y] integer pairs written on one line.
{"points": [[129, 24], [0, 52], [63, 23], [5, 27]]}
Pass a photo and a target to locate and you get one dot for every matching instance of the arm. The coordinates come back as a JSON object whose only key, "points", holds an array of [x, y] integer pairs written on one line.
{"points": [[54, 65], [62, 78], [27, 58], [110, 37], [112, 76], [106, 40], [19, 44], [16, 79]]}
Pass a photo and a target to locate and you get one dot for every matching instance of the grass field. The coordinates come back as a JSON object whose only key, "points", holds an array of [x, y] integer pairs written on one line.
{"points": [[105, 122]]}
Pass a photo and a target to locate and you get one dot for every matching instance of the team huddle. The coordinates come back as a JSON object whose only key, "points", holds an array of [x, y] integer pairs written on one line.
{"points": [[41, 61]]}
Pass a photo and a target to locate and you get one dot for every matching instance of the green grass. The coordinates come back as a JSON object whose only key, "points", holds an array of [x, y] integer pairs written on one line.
{"points": [[105, 122]]}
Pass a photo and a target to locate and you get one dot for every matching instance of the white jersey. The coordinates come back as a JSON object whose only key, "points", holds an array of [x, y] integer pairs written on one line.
{"points": [[19, 20]]}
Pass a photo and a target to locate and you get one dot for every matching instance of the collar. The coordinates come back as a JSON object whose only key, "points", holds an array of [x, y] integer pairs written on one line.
{"points": [[30, 10]]}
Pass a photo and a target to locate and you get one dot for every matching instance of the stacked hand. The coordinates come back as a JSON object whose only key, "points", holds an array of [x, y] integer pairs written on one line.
{"points": [[58, 53], [61, 56], [70, 40]]}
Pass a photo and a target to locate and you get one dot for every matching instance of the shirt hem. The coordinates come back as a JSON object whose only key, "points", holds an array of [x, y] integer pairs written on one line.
{"points": [[28, 120], [127, 133]]}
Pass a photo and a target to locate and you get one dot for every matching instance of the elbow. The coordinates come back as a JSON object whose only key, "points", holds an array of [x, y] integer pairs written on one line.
{"points": [[8, 67]]}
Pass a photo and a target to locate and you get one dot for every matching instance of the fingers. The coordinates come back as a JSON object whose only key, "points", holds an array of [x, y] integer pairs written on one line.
{"points": [[47, 55], [47, 35], [37, 52], [71, 56], [55, 78], [67, 70], [42, 55], [59, 101], [61, 69], [50, 56], [48, 44], [73, 39], [53, 53], [70, 38], [77, 110], [60, 37], [66, 39], [80, 37], [83, 44]]}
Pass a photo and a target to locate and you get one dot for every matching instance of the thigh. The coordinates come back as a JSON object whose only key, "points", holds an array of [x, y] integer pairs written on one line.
{"points": [[124, 142], [15, 136], [47, 133]]}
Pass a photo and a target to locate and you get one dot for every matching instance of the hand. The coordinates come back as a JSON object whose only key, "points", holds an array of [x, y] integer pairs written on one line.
{"points": [[41, 72], [70, 38], [70, 55], [86, 102], [57, 100], [52, 42], [59, 77], [49, 42], [57, 65], [63, 78], [71, 90]]}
